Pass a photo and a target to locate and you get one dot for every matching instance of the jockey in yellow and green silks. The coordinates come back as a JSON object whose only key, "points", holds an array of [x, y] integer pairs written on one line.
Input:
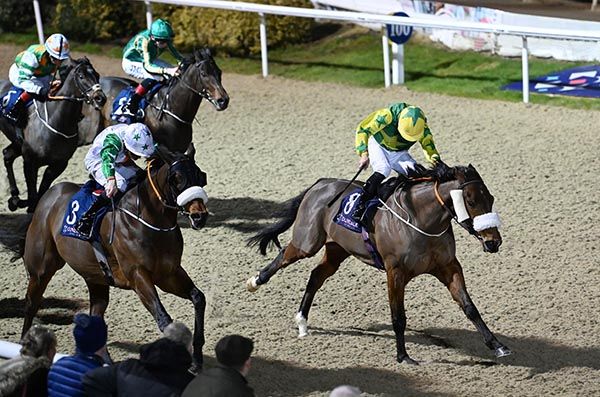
{"points": [[34, 70], [383, 139], [140, 59]]}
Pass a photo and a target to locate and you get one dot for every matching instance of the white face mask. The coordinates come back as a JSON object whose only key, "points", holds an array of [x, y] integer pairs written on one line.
{"points": [[480, 222]]}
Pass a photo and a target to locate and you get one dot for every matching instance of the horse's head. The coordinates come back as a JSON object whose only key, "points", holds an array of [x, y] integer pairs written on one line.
{"points": [[182, 184], [86, 81], [204, 77], [476, 208]]}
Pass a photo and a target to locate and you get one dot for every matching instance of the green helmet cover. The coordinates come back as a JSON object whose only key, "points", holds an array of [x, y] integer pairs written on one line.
{"points": [[161, 30]]}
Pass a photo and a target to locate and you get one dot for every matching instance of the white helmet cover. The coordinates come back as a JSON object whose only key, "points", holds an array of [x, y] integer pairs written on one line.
{"points": [[138, 140], [58, 46]]}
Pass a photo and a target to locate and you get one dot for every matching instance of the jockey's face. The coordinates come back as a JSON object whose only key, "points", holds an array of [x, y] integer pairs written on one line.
{"points": [[161, 43], [132, 156], [55, 61]]}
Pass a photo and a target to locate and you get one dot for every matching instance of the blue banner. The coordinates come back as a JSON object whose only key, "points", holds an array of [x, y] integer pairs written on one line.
{"points": [[582, 81]]}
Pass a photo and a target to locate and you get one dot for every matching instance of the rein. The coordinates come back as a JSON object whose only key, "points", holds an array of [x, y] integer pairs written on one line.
{"points": [[162, 108]]}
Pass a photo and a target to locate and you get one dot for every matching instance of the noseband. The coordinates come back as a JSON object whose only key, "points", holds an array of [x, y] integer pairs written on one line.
{"points": [[180, 199], [467, 223]]}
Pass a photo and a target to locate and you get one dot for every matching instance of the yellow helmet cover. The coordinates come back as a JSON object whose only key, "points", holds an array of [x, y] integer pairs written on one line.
{"points": [[411, 123]]}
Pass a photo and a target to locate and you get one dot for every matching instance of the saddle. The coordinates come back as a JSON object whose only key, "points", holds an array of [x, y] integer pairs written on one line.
{"points": [[124, 97], [7, 103]]}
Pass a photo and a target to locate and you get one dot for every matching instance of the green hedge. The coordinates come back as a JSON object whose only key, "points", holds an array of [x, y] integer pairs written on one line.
{"points": [[235, 32], [18, 16], [99, 20]]}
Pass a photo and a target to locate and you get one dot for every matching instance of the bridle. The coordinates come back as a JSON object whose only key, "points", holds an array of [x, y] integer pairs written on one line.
{"points": [[85, 91], [203, 93]]}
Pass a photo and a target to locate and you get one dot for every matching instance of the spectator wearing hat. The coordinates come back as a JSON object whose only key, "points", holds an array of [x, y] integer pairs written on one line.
{"points": [[27, 374], [161, 370], [65, 376], [228, 379]]}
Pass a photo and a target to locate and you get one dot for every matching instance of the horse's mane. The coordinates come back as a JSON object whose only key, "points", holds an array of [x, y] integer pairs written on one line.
{"points": [[67, 67], [198, 55], [440, 172]]}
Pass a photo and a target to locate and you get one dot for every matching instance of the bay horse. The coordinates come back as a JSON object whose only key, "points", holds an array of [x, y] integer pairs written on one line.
{"points": [[146, 247], [51, 136], [412, 233], [172, 109]]}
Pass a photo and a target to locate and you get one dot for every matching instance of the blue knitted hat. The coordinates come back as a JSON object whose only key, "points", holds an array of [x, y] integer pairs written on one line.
{"points": [[90, 333]]}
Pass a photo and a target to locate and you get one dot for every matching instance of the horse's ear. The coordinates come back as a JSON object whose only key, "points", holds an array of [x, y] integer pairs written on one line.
{"points": [[191, 151], [163, 153]]}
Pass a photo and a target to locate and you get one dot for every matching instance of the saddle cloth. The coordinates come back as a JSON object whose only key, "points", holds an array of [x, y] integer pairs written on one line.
{"points": [[124, 97], [78, 205], [8, 99], [344, 219]]}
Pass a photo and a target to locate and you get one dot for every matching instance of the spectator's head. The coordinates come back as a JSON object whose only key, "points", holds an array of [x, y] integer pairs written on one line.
{"points": [[90, 333], [38, 341], [178, 332], [234, 351], [345, 391]]}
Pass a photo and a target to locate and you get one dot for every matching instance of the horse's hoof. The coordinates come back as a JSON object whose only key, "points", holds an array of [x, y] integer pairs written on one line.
{"points": [[302, 325], [13, 203], [407, 360], [503, 351], [251, 284]]}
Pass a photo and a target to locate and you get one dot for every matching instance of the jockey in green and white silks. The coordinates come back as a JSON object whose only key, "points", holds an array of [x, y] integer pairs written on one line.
{"points": [[383, 139], [34, 70], [140, 59], [110, 162]]}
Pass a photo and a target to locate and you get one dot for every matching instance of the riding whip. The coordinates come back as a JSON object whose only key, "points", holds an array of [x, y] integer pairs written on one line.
{"points": [[337, 196]]}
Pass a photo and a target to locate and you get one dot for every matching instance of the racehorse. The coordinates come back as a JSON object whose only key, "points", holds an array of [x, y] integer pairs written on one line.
{"points": [[171, 111], [146, 244], [51, 136], [413, 235]]}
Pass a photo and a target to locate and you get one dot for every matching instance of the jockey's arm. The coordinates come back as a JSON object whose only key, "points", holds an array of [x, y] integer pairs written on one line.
{"points": [[174, 51], [148, 63], [111, 147], [26, 67], [429, 149], [372, 124]]}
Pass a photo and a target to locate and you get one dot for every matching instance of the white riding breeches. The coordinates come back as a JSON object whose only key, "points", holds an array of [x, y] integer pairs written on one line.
{"points": [[136, 69], [384, 161], [34, 85], [123, 174]]}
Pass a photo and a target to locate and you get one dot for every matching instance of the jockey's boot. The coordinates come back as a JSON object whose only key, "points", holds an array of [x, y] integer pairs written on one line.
{"points": [[132, 108], [86, 222], [17, 113], [369, 191]]}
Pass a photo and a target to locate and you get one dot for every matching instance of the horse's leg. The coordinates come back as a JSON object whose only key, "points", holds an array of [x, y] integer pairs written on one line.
{"points": [[286, 256], [52, 172], [144, 288], [10, 153], [334, 255], [180, 284], [41, 268], [30, 169], [396, 283], [452, 277]]}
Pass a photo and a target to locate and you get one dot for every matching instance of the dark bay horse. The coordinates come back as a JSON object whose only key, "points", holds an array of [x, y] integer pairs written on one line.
{"points": [[146, 248], [412, 233], [172, 110], [51, 135]]}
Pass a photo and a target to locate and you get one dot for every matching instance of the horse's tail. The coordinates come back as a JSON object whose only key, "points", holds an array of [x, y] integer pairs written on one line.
{"points": [[287, 214]]}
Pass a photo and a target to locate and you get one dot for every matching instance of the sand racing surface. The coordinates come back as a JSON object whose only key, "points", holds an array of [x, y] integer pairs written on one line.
{"points": [[539, 294]]}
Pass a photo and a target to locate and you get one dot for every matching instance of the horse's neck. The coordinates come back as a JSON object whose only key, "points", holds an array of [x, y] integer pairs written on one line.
{"points": [[62, 114], [182, 100], [421, 202], [143, 201]]}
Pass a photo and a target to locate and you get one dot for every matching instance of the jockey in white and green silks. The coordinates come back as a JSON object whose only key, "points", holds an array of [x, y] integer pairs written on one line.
{"points": [[110, 162], [34, 70], [383, 139], [140, 59]]}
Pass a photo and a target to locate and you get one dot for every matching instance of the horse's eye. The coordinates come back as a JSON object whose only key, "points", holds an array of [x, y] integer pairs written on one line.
{"points": [[470, 203]]}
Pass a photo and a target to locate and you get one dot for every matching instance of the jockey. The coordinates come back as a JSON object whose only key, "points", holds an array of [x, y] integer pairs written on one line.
{"points": [[140, 60], [34, 70], [110, 162], [383, 138]]}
